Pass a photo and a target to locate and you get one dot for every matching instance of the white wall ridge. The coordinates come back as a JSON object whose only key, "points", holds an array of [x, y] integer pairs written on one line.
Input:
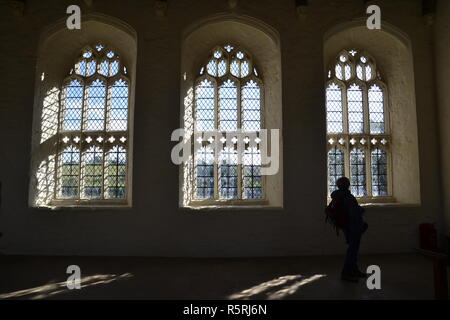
{"points": [[60, 24], [387, 27], [234, 17]]}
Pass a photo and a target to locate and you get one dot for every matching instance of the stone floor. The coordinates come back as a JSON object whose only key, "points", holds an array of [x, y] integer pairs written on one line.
{"points": [[405, 276]]}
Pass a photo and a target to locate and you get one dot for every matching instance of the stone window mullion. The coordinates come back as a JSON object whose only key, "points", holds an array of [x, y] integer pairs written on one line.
{"points": [[216, 126], [239, 127]]}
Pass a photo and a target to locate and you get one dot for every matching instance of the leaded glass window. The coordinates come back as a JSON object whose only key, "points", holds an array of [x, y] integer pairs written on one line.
{"points": [[357, 125], [358, 172], [92, 173], [251, 108], [228, 93], [115, 172], [93, 129], [252, 174], [355, 109], [205, 105], [228, 98], [204, 162], [334, 108], [376, 109], [69, 172], [336, 167], [379, 172], [228, 174]]}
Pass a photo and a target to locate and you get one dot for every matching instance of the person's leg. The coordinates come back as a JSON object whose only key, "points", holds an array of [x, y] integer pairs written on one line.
{"points": [[365, 227], [347, 261], [350, 264], [355, 252]]}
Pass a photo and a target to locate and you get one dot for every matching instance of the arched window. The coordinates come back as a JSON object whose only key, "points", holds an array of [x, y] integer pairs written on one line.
{"points": [[227, 98], [92, 138], [357, 125], [231, 85]]}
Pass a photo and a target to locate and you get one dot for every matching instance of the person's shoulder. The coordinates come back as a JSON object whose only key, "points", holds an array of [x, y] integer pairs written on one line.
{"points": [[347, 195], [340, 195], [353, 199], [351, 196], [337, 194]]}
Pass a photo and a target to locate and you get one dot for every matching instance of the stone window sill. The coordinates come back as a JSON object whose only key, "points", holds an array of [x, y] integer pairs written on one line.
{"points": [[228, 205], [389, 205], [84, 205], [381, 202]]}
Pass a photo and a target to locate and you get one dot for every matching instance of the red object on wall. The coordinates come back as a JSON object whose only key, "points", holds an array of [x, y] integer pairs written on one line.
{"points": [[428, 236]]}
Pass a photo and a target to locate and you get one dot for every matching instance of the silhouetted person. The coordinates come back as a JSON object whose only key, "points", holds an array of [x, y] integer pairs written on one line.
{"points": [[353, 228]]}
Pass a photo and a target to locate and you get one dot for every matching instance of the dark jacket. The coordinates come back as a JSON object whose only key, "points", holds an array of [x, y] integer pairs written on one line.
{"points": [[355, 222]]}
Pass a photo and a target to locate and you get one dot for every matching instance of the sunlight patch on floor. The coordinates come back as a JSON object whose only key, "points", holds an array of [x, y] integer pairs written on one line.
{"points": [[47, 290], [269, 287]]}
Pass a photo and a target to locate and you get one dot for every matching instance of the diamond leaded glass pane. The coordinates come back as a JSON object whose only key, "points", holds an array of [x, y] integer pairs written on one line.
{"points": [[359, 72], [338, 71], [91, 68], [73, 104], [103, 68], [334, 109], [376, 109], [95, 106], [92, 173], [245, 68], [251, 107], [358, 172], [80, 68], [336, 168], [204, 106], [118, 108], [228, 106], [348, 72], [379, 172], [211, 68], [204, 162], [355, 109], [115, 173], [251, 173], [222, 68], [368, 73], [69, 172], [235, 68], [228, 174], [113, 68]]}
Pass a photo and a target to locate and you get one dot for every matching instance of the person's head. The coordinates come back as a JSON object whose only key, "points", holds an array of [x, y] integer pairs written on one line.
{"points": [[343, 183]]}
